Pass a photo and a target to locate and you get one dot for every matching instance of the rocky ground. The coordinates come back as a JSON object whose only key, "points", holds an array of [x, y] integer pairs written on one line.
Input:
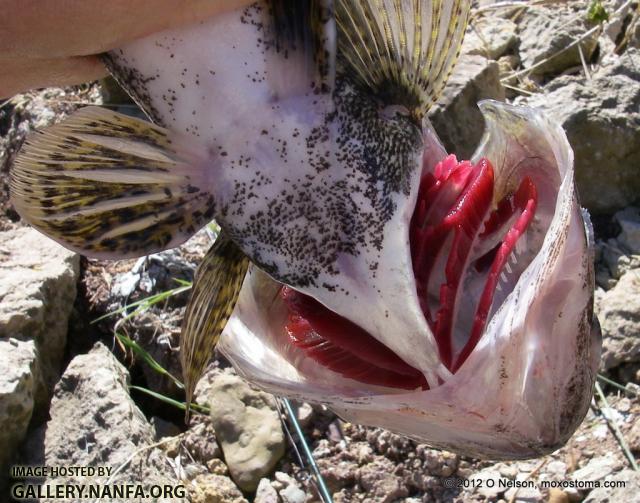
{"points": [[65, 381]]}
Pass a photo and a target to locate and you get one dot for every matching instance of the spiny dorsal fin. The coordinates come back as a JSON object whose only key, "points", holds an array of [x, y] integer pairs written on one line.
{"points": [[402, 51], [111, 186], [215, 291]]}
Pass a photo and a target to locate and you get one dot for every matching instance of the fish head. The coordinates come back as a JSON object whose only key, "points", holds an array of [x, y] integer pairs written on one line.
{"points": [[447, 300], [517, 335]]}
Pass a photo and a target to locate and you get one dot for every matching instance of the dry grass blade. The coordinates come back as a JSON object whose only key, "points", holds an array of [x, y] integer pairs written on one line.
{"points": [[322, 487], [577, 41], [615, 430]]}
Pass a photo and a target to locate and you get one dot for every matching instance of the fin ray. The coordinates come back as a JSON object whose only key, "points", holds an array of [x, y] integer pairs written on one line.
{"points": [[215, 292], [111, 186], [401, 50]]}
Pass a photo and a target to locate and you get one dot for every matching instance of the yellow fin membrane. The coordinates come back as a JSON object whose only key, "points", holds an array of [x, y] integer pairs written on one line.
{"points": [[215, 291], [401, 50], [110, 186]]}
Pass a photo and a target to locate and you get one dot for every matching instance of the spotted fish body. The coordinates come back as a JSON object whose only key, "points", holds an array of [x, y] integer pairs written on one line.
{"points": [[300, 127]]}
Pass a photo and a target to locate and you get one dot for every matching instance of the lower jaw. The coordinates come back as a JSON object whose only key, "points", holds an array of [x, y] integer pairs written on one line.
{"points": [[453, 221]]}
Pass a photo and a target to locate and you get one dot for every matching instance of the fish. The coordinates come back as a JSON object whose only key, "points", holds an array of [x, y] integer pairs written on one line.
{"points": [[359, 265]]}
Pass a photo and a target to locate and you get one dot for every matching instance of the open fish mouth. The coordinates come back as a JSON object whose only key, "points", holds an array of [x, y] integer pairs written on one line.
{"points": [[504, 287], [465, 250], [359, 265]]}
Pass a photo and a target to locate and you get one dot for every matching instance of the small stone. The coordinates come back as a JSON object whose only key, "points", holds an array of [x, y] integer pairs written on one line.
{"points": [[619, 321], [629, 482], [288, 489], [526, 494], [491, 490], [556, 469], [164, 428], [304, 413], [558, 496], [633, 437], [508, 470], [201, 442], [629, 221], [380, 482], [266, 493], [18, 374], [248, 429], [217, 467], [337, 475], [545, 33], [490, 37], [618, 261], [292, 494], [210, 488], [597, 468]]}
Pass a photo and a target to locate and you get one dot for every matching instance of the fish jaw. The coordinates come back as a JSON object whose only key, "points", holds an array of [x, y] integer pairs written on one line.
{"points": [[528, 382]]}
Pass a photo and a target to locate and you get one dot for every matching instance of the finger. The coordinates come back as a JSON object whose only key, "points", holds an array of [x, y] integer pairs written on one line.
{"points": [[62, 28], [23, 74]]}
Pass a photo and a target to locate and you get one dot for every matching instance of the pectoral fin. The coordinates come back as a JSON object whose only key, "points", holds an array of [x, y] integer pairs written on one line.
{"points": [[111, 186], [215, 292]]}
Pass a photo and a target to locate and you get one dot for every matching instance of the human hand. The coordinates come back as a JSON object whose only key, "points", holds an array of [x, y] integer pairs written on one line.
{"points": [[57, 42]]}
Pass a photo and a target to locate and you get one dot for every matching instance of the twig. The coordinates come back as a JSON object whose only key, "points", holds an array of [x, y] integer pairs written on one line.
{"points": [[584, 63], [519, 90], [533, 473], [617, 385], [130, 458], [525, 4], [615, 430], [324, 491], [577, 41]]}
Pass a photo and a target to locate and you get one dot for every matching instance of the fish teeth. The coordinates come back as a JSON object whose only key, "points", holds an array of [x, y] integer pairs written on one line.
{"points": [[503, 277], [507, 266], [521, 244]]}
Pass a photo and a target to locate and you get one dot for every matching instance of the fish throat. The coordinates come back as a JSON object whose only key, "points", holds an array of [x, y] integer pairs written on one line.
{"points": [[465, 246]]}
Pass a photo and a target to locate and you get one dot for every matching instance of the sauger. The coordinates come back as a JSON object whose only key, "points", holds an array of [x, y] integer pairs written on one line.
{"points": [[359, 265]]}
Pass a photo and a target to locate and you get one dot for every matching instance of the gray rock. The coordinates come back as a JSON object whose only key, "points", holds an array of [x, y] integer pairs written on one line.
{"points": [[380, 482], [266, 493], [629, 221], [601, 117], [18, 368], [618, 260], [633, 437], [248, 429], [200, 441], [492, 489], [164, 428], [293, 494], [597, 468], [626, 493], [94, 422], [337, 474], [456, 117], [288, 489], [304, 412], [524, 495], [37, 290], [545, 33], [491, 37], [210, 488], [620, 322]]}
